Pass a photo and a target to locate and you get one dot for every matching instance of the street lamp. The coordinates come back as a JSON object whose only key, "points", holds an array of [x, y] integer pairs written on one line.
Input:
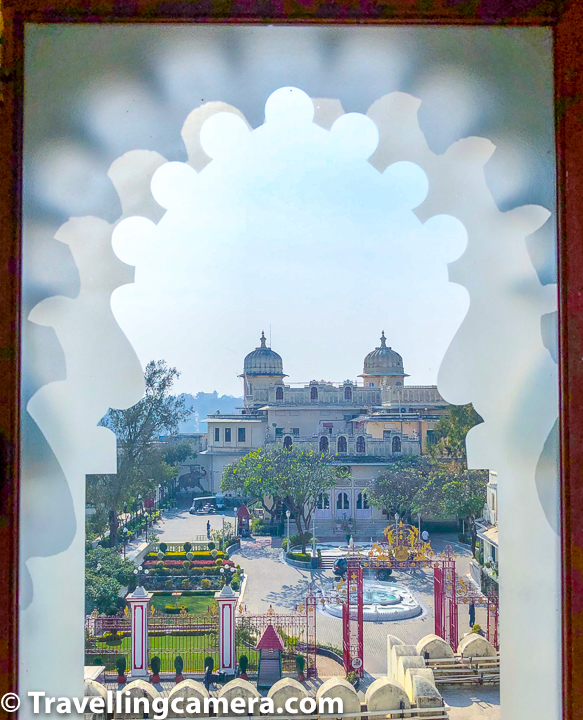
{"points": [[125, 540], [288, 515], [236, 529], [146, 516], [419, 523], [314, 534], [396, 525], [223, 533]]}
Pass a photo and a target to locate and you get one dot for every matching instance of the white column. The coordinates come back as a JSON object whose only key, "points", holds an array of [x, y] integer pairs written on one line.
{"points": [[227, 601], [139, 602]]}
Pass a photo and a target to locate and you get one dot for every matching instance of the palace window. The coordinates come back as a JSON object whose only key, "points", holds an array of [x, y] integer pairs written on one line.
{"points": [[323, 501], [362, 501], [314, 393], [295, 432], [227, 434], [279, 393], [241, 434], [360, 444], [342, 444], [348, 393], [287, 442], [342, 501], [278, 432], [371, 384], [324, 444], [217, 435], [396, 444]]}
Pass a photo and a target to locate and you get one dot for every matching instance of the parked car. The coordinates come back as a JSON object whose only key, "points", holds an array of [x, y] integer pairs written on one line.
{"points": [[340, 567]]}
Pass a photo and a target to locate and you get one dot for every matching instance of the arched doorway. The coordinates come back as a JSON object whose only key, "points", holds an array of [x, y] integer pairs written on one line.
{"points": [[343, 504], [324, 445]]}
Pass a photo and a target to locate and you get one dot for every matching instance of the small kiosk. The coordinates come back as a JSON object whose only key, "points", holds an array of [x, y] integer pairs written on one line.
{"points": [[243, 520], [270, 647]]}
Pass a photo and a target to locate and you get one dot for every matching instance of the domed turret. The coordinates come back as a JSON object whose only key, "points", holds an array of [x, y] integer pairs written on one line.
{"points": [[263, 361], [383, 364]]}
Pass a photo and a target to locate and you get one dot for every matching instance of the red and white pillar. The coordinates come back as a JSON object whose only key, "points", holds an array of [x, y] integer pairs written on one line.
{"points": [[139, 601], [227, 600]]}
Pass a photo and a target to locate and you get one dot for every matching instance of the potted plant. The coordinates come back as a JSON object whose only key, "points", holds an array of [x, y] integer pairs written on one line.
{"points": [[187, 547], [120, 664], [155, 664], [354, 679], [179, 667], [243, 664], [300, 664]]}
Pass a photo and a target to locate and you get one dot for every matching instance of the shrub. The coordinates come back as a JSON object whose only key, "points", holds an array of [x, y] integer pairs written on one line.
{"points": [[300, 557], [218, 562], [189, 556], [476, 628], [235, 585], [186, 564], [169, 584], [211, 546], [163, 547], [297, 540], [159, 564], [160, 555], [120, 664], [205, 583], [300, 663], [186, 584], [156, 664], [187, 547], [178, 665]]}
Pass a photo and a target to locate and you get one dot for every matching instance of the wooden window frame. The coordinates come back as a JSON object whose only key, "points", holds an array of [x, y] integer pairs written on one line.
{"points": [[566, 21]]}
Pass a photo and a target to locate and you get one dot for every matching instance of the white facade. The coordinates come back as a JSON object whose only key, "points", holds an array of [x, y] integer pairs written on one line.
{"points": [[363, 424]]}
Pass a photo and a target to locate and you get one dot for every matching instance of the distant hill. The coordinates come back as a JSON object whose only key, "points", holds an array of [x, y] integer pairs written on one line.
{"points": [[204, 404]]}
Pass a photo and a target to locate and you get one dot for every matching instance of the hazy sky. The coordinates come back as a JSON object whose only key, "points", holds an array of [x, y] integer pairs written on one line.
{"points": [[327, 277]]}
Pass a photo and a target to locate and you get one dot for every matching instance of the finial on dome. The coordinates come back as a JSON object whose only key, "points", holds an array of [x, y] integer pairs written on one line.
{"points": [[263, 341], [383, 339]]}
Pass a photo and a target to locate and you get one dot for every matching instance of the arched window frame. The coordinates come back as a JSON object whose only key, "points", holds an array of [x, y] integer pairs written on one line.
{"points": [[324, 445], [396, 445], [342, 444], [279, 393], [348, 393], [313, 393], [360, 444]]}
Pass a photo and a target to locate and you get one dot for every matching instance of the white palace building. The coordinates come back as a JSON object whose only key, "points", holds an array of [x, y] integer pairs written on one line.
{"points": [[363, 425]]}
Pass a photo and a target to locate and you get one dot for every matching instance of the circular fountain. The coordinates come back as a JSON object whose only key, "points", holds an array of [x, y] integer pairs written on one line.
{"points": [[381, 603], [351, 547]]}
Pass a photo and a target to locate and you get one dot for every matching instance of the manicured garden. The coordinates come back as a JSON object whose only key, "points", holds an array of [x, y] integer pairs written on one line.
{"points": [[188, 569]]}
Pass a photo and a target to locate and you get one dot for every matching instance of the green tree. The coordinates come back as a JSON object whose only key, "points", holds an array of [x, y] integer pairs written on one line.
{"points": [[461, 493], [254, 476], [142, 464], [106, 574], [450, 432], [395, 489], [294, 477]]}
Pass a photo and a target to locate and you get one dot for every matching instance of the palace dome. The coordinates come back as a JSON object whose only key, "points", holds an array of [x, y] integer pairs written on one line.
{"points": [[383, 360], [263, 361]]}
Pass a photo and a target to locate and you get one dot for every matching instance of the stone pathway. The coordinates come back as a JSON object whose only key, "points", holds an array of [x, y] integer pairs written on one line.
{"points": [[273, 583]]}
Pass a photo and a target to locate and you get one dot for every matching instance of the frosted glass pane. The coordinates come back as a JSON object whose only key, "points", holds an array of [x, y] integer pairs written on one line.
{"points": [[326, 182]]}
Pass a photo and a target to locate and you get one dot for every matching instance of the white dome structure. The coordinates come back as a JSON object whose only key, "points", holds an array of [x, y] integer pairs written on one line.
{"points": [[383, 362], [263, 361]]}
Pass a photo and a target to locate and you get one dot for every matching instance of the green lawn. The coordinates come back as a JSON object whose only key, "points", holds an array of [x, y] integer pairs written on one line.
{"points": [[192, 647], [195, 604]]}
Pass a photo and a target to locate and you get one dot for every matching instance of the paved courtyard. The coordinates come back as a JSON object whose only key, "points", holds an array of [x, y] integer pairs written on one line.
{"points": [[270, 582]]}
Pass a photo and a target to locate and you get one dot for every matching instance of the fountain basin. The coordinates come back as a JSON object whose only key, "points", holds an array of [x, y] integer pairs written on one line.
{"points": [[380, 604]]}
